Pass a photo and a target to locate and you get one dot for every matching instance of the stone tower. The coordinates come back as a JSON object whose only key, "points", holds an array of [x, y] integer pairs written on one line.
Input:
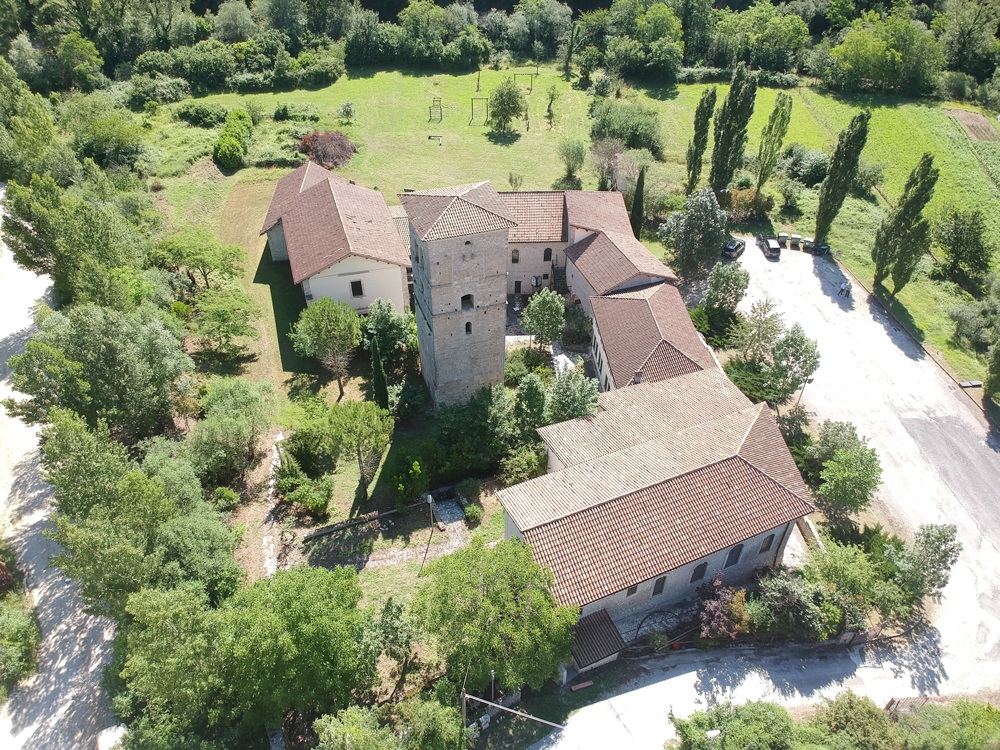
{"points": [[458, 246]]}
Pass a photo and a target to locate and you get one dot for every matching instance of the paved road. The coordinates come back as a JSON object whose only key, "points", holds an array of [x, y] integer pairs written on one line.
{"points": [[941, 464], [62, 706]]}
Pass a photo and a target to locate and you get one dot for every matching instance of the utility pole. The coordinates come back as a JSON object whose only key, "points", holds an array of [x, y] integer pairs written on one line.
{"points": [[465, 722]]}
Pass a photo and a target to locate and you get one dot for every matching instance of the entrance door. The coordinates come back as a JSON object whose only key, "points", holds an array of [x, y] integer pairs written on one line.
{"points": [[517, 287]]}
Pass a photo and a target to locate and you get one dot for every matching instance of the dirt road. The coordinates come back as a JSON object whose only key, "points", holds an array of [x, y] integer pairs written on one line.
{"points": [[941, 465], [62, 706]]}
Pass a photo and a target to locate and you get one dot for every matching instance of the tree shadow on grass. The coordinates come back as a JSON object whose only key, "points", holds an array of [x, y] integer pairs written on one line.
{"points": [[218, 363], [503, 139], [288, 303], [567, 182]]}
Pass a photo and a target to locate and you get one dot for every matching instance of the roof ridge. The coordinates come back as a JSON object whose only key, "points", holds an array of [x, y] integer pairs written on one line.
{"points": [[661, 343], [451, 202], [760, 407], [482, 208], [340, 215]]}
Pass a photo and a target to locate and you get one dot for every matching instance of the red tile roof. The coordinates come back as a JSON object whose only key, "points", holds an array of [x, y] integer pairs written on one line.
{"points": [[456, 211], [597, 210], [402, 222], [648, 333], [596, 638], [609, 260], [335, 219], [290, 186], [647, 533], [540, 216]]}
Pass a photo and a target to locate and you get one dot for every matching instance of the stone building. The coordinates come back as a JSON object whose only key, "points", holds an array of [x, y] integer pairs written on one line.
{"points": [[458, 244]]}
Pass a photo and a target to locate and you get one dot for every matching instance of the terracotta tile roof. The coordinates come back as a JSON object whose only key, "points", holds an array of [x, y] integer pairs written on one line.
{"points": [[648, 333], [540, 216], [402, 222], [290, 186], [456, 211], [762, 451], [651, 531], [335, 219], [608, 260], [654, 410], [596, 638], [597, 210]]}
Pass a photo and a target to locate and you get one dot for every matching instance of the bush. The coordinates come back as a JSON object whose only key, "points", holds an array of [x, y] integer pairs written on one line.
{"points": [[313, 495], [637, 126], [249, 83], [202, 115], [323, 72], [867, 178], [19, 638], [474, 513], [407, 479], [470, 489], [714, 323], [805, 166], [297, 112], [522, 361], [330, 149], [225, 499], [409, 399], [228, 152], [577, 329], [161, 89], [524, 463]]}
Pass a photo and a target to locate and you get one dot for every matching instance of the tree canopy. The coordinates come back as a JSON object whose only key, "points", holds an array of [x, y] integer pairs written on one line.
{"points": [[330, 331]]}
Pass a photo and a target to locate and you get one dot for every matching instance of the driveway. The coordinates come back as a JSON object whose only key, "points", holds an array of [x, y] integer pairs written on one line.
{"points": [[62, 706], [940, 465]]}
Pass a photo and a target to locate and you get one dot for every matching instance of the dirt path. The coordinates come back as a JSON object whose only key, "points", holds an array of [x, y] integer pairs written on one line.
{"points": [[62, 706]]}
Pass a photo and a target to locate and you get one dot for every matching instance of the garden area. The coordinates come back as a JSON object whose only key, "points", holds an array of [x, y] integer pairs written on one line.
{"points": [[19, 634]]}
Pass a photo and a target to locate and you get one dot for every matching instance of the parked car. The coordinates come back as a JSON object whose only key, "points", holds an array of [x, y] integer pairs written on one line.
{"points": [[769, 246], [783, 239], [734, 248], [820, 249]]}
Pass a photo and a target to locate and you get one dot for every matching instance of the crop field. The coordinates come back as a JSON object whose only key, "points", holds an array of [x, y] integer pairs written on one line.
{"points": [[398, 148]]}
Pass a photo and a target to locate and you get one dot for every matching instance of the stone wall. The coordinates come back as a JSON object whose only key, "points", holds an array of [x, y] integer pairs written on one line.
{"points": [[460, 286], [530, 263]]}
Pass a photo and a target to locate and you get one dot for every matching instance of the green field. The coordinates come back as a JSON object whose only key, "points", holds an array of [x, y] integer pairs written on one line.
{"points": [[392, 132]]}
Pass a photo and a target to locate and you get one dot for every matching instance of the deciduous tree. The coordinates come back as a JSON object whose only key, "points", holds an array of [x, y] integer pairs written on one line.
{"points": [[842, 173], [573, 152], [849, 481], [696, 234], [529, 406], [962, 237], [696, 148], [198, 250], [493, 609], [222, 316], [380, 387], [544, 317], [772, 137], [731, 122], [727, 285], [366, 430], [572, 394], [507, 103], [329, 331], [904, 235]]}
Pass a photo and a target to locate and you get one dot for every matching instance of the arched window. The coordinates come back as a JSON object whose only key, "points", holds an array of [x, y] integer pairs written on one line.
{"points": [[766, 546], [467, 303], [468, 328], [548, 254], [468, 242], [699, 572], [734, 555], [515, 256]]}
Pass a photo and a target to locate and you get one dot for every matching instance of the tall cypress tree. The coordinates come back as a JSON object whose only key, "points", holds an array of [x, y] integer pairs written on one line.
{"points": [[843, 169], [380, 386], [905, 235], [638, 207], [731, 128], [698, 144], [772, 137]]}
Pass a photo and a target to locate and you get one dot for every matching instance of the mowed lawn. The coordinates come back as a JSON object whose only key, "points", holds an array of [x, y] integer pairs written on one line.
{"points": [[395, 152]]}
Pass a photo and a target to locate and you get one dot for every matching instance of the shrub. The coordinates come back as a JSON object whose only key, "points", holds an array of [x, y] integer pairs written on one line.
{"points": [[228, 152], [470, 489], [407, 479], [19, 638], [330, 149], [577, 329], [323, 72], [248, 83], [635, 125], [867, 178], [474, 513], [202, 115], [224, 499], [313, 495], [524, 463], [409, 399], [805, 166], [296, 111], [161, 89], [522, 361]]}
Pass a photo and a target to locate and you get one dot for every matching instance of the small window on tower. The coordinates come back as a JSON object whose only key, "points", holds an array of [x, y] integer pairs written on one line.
{"points": [[467, 303], [548, 254], [515, 256], [468, 242], [356, 289], [468, 328]]}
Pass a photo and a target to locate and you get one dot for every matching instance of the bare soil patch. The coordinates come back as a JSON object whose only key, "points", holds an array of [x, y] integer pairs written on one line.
{"points": [[976, 126], [206, 169]]}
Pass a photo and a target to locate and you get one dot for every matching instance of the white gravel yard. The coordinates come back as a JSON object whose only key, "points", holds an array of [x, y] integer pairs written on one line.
{"points": [[940, 464], [62, 706]]}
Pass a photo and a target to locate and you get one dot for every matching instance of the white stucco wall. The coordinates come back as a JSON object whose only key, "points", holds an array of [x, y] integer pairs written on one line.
{"points": [[605, 380], [378, 280], [578, 286], [531, 263], [678, 581], [276, 242]]}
